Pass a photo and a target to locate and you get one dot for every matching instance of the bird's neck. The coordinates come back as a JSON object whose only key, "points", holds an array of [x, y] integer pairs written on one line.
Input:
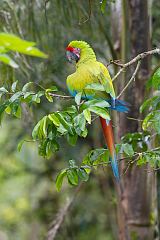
{"points": [[87, 54]]}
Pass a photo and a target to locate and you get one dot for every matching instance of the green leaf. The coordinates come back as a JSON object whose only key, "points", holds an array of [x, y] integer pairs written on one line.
{"points": [[28, 94], [43, 124], [7, 60], [54, 145], [128, 149], [155, 80], [141, 160], [35, 131], [72, 163], [62, 130], [78, 98], [3, 49], [72, 139], [3, 90], [100, 112], [14, 85], [83, 174], [80, 121], [54, 119], [51, 147], [14, 43], [14, 108], [96, 103], [71, 110], [87, 115], [20, 144], [59, 179], [16, 96], [36, 98], [151, 102], [52, 89], [8, 109], [145, 105], [26, 86], [48, 96], [3, 106], [17, 111], [148, 121], [96, 156], [65, 121], [32, 51], [72, 176], [152, 120], [84, 133]]}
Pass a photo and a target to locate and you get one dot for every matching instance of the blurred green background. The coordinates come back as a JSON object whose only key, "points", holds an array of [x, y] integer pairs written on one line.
{"points": [[28, 197]]}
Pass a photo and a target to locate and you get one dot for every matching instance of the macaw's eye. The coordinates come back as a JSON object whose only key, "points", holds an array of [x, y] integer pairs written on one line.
{"points": [[74, 55]]}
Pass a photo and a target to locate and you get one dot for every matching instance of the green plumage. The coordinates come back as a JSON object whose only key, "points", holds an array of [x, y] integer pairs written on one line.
{"points": [[89, 71]]}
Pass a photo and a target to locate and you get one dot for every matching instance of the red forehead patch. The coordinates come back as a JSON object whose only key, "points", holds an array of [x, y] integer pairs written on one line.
{"points": [[69, 49]]}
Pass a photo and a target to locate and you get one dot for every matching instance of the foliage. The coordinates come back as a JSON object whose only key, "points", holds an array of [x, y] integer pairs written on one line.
{"points": [[72, 122], [10, 42], [152, 120], [51, 26]]}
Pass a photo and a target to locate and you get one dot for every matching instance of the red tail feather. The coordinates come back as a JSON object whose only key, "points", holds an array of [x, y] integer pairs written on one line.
{"points": [[108, 134]]}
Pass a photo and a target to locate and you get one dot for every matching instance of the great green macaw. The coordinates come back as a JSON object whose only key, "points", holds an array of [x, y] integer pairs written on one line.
{"points": [[89, 71]]}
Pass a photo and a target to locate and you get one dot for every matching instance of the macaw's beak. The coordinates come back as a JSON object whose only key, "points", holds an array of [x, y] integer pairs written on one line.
{"points": [[72, 57]]}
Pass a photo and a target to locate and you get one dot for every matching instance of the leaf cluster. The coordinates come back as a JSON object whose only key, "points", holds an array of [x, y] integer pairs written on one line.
{"points": [[12, 100], [12, 43], [152, 105], [70, 123]]}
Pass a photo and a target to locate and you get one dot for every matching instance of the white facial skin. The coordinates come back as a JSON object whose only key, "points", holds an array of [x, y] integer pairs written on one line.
{"points": [[73, 55]]}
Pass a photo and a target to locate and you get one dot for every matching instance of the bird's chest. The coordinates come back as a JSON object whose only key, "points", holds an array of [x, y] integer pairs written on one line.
{"points": [[81, 78]]}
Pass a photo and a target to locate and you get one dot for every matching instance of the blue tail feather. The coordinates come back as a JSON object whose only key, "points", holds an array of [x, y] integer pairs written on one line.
{"points": [[115, 104], [119, 105], [120, 109], [115, 167]]}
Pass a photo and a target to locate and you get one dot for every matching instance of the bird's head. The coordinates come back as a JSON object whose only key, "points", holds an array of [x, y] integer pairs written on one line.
{"points": [[77, 50], [72, 54]]}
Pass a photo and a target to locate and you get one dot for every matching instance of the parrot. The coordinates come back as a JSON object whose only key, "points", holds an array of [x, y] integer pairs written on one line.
{"points": [[90, 71]]}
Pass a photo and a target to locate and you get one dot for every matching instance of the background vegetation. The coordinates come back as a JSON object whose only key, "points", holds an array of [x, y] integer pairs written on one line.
{"points": [[29, 201]]}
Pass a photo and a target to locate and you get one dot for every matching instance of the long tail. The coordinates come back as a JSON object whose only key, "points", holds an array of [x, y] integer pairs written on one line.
{"points": [[108, 134]]}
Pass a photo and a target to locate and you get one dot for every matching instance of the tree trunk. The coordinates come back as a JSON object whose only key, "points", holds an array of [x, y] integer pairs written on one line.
{"points": [[135, 193]]}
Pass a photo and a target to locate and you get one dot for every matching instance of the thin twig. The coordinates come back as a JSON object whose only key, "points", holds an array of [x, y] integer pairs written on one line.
{"points": [[135, 119], [125, 158], [89, 14], [60, 96], [131, 79], [58, 221], [141, 120], [118, 73], [136, 59]]}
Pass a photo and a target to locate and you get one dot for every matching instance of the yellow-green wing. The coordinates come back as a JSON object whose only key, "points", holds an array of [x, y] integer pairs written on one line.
{"points": [[106, 80], [89, 73]]}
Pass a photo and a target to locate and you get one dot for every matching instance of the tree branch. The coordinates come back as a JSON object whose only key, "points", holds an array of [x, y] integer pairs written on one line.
{"points": [[131, 79], [137, 58], [58, 221], [125, 158], [60, 96], [134, 60]]}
